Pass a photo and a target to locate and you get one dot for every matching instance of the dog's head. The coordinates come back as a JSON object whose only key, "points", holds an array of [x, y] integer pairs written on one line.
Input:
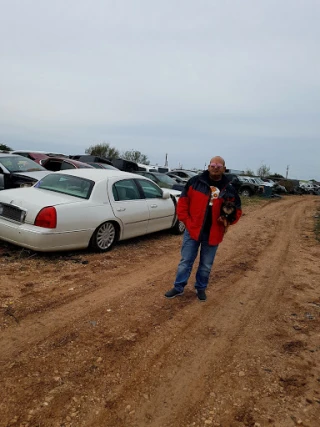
{"points": [[228, 208]]}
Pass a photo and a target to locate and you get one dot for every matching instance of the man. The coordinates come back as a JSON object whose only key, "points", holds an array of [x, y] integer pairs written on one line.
{"points": [[199, 208]]}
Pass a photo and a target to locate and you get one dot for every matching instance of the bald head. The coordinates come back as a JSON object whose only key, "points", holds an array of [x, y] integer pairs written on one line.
{"points": [[216, 168]]}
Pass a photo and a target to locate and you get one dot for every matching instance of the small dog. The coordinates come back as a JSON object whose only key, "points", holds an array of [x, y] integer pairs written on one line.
{"points": [[227, 213]]}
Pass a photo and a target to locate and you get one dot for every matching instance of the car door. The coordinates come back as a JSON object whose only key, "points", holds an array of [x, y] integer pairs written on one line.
{"points": [[5, 178], [161, 211], [129, 207], [2, 187]]}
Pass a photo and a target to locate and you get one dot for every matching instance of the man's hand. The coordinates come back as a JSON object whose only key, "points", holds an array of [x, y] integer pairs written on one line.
{"points": [[225, 222]]}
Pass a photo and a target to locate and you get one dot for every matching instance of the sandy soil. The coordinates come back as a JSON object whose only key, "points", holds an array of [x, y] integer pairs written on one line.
{"points": [[89, 339]]}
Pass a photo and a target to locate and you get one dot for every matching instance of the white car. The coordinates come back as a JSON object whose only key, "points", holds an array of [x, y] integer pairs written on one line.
{"points": [[83, 208], [308, 187]]}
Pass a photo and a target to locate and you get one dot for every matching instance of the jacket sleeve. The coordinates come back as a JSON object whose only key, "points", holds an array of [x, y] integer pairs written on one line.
{"points": [[183, 205], [238, 215], [232, 194], [237, 202]]}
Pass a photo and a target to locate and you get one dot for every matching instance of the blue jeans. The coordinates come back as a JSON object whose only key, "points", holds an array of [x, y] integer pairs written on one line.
{"points": [[189, 252]]}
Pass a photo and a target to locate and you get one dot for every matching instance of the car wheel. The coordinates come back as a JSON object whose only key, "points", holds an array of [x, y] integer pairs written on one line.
{"points": [[245, 192], [178, 227], [104, 237]]}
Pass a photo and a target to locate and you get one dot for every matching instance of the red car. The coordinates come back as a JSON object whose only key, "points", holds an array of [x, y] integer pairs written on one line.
{"points": [[37, 156], [55, 164]]}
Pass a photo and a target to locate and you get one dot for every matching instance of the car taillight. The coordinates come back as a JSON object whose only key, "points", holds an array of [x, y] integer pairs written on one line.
{"points": [[46, 218]]}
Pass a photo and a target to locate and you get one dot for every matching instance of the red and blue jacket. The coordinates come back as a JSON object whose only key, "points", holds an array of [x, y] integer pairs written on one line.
{"points": [[193, 203]]}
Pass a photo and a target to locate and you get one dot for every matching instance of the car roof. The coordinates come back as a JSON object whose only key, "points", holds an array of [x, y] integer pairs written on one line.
{"points": [[97, 174], [183, 170], [51, 153], [65, 159]]}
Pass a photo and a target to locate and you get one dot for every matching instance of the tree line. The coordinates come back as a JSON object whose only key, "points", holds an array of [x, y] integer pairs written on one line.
{"points": [[106, 150]]}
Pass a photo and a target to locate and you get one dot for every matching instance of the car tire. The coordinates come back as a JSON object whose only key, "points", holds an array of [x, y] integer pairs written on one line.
{"points": [[178, 228], [245, 192], [104, 237]]}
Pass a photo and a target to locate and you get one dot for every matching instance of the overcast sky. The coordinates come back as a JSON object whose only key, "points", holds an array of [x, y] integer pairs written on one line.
{"points": [[190, 78]]}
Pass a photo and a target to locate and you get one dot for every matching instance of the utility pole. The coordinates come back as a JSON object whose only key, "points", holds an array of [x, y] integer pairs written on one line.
{"points": [[287, 171]]}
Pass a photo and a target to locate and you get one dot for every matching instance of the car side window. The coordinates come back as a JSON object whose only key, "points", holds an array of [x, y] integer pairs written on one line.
{"points": [[181, 174], [66, 165], [52, 165], [125, 189], [150, 190]]}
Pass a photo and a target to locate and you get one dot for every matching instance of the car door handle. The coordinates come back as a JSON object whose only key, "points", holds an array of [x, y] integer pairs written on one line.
{"points": [[121, 209], [153, 206]]}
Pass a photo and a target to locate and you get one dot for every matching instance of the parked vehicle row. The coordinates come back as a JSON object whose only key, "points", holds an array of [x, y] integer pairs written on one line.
{"points": [[247, 185], [88, 207], [59, 202]]}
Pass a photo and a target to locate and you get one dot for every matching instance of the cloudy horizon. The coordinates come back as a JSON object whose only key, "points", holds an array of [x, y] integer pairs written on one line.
{"points": [[189, 79]]}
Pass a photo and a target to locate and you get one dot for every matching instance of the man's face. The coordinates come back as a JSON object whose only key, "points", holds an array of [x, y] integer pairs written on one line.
{"points": [[216, 168]]}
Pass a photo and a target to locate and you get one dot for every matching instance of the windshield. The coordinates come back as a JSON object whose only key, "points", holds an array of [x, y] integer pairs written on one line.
{"points": [[106, 166], [67, 184], [20, 164], [165, 178], [102, 166], [244, 179]]}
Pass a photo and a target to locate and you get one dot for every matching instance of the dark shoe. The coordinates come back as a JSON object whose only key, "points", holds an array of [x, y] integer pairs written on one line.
{"points": [[173, 293], [201, 293]]}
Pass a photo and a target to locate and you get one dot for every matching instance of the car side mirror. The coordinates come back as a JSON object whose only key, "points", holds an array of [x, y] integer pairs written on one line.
{"points": [[165, 194]]}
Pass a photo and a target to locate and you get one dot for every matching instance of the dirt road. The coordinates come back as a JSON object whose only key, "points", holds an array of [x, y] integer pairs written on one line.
{"points": [[89, 339]]}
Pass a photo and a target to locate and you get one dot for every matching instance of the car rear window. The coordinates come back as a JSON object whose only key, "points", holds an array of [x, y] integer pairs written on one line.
{"points": [[20, 164], [67, 184]]}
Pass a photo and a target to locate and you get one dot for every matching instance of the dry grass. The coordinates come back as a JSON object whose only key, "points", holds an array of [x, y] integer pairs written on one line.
{"points": [[252, 201], [317, 224]]}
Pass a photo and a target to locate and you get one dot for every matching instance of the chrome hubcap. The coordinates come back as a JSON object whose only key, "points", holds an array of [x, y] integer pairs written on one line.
{"points": [[105, 235], [181, 226]]}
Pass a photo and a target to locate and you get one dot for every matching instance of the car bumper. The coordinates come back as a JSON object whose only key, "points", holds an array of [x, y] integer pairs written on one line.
{"points": [[43, 239]]}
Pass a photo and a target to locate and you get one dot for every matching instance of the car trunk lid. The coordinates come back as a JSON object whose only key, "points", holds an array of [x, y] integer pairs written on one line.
{"points": [[23, 204]]}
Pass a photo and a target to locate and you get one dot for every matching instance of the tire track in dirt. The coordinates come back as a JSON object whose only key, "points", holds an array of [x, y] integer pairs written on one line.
{"points": [[160, 362], [262, 296], [54, 317], [161, 353], [232, 336]]}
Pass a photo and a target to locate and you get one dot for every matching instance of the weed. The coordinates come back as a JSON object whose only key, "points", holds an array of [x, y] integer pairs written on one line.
{"points": [[251, 201]]}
